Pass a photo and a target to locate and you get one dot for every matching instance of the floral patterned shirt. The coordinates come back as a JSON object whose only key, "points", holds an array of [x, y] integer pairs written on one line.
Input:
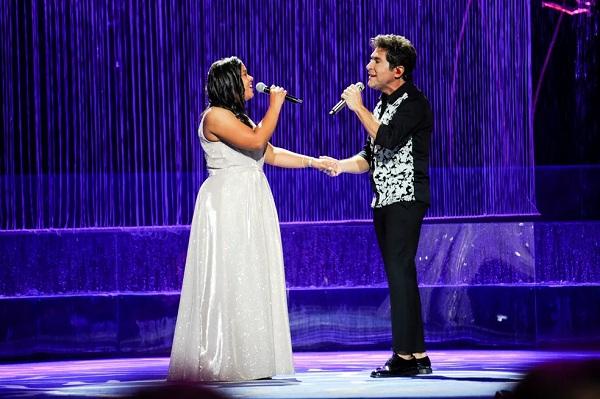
{"points": [[399, 155]]}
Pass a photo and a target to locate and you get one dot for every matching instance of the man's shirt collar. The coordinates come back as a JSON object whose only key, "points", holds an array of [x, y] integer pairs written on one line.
{"points": [[388, 99]]}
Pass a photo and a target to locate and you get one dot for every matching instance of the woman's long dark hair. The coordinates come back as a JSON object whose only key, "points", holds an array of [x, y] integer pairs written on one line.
{"points": [[225, 87]]}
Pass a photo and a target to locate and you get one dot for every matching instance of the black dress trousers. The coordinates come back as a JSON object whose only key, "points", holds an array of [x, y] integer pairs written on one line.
{"points": [[398, 227]]}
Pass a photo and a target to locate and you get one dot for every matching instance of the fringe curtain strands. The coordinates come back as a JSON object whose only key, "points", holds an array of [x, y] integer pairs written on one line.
{"points": [[566, 75], [100, 103]]}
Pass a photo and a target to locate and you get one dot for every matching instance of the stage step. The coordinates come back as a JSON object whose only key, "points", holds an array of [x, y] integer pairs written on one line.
{"points": [[326, 255], [115, 291], [320, 319]]}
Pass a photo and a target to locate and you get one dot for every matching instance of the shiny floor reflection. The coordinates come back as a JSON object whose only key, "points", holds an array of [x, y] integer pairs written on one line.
{"points": [[457, 374]]}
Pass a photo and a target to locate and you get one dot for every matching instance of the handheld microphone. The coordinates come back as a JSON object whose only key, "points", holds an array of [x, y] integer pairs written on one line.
{"points": [[342, 103], [266, 90]]}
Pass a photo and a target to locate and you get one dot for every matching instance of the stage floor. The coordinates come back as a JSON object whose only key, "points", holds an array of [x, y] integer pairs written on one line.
{"points": [[457, 374]]}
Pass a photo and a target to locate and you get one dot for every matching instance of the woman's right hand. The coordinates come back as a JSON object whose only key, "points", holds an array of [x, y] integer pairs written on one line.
{"points": [[276, 96]]}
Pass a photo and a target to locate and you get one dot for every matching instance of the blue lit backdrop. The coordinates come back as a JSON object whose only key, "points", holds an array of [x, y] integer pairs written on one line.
{"points": [[100, 103]]}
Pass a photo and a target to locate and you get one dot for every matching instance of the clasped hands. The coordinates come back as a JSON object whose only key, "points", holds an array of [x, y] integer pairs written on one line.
{"points": [[328, 165]]}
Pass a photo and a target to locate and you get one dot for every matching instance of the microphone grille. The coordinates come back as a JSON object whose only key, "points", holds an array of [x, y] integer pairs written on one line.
{"points": [[360, 86], [261, 87]]}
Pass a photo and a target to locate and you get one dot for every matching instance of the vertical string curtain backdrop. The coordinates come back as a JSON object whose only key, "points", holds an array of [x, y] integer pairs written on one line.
{"points": [[101, 100]]}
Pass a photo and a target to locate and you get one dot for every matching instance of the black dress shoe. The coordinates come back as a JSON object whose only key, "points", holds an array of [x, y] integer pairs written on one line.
{"points": [[424, 365], [396, 367]]}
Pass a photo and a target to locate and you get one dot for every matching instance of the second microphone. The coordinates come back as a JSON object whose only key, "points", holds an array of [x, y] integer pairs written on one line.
{"points": [[342, 103], [261, 87]]}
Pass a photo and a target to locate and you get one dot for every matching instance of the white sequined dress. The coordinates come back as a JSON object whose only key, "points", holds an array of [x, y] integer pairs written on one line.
{"points": [[232, 323]]}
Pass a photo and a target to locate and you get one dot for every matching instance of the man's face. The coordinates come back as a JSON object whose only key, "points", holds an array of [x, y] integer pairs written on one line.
{"points": [[247, 79], [380, 76]]}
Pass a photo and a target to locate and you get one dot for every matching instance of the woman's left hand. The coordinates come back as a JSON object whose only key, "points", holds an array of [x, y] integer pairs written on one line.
{"points": [[327, 165]]}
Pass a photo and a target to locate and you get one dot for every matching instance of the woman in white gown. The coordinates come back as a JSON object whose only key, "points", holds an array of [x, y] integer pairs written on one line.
{"points": [[232, 323]]}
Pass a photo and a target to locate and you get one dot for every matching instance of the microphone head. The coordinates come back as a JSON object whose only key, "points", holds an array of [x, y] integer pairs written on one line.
{"points": [[360, 86], [261, 87]]}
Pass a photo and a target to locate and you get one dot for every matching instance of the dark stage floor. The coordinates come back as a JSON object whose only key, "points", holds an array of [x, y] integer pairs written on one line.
{"points": [[457, 374]]}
